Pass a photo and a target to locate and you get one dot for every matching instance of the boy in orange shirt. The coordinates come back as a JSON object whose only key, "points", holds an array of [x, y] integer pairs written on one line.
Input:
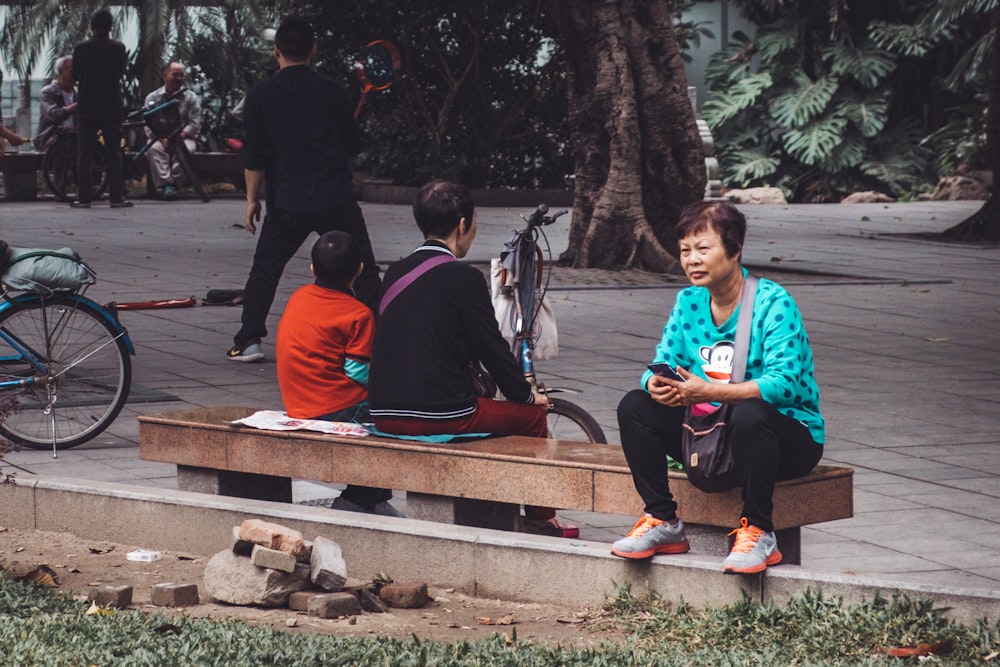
{"points": [[323, 349]]}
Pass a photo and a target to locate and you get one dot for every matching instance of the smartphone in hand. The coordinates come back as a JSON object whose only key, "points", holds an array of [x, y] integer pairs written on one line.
{"points": [[666, 370]]}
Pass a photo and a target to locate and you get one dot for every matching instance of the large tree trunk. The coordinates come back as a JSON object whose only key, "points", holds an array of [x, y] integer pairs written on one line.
{"points": [[985, 223], [639, 157]]}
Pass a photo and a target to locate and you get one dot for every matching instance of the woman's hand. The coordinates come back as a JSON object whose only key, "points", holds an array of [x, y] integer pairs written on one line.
{"points": [[541, 400], [677, 394]]}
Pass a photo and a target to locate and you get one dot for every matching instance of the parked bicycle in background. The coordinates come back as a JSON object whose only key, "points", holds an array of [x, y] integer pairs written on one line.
{"points": [[520, 280]]}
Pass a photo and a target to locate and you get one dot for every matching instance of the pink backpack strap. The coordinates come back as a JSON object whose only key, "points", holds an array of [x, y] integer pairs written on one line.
{"points": [[408, 279]]}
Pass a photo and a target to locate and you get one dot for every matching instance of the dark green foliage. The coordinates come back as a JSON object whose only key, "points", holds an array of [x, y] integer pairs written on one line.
{"points": [[808, 104], [481, 97], [44, 628]]}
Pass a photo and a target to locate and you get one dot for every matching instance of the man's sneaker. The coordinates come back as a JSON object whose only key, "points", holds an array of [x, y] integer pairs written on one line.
{"points": [[753, 550], [651, 536], [382, 508], [169, 192], [246, 353]]}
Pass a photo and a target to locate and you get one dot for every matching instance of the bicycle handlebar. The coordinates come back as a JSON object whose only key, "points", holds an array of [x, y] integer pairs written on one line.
{"points": [[541, 218]]}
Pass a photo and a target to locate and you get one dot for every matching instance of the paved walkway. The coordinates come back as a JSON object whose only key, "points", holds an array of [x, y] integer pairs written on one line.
{"points": [[905, 341]]}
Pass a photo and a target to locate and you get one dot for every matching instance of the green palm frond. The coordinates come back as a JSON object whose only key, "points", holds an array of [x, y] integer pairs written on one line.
{"points": [[815, 142], [776, 39], [729, 65], [743, 167], [975, 62], [868, 113], [914, 40], [724, 106], [897, 158], [806, 100], [868, 66], [849, 153], [949, 12]]}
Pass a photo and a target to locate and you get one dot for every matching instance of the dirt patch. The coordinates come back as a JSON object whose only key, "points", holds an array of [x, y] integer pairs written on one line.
{"points": [[450, 616]]}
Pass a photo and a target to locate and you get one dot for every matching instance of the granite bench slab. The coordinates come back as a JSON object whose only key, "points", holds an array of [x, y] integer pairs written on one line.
{"points": [[481, 482]]}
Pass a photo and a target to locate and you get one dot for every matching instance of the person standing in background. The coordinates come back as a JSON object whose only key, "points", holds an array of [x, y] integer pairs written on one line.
{"points": [[98, 67], [300, 133]]}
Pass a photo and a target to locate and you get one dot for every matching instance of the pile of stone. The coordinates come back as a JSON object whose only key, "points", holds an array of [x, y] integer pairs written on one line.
{"points": [[271, 565]]}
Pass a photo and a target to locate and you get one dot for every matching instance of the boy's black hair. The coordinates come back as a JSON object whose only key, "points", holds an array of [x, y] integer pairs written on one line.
{"points": [[101, 21], [295, 38], [336, 257], [440, 206]]}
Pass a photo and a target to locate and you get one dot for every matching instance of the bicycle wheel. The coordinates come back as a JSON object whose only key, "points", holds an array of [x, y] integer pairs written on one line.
{"points": [[183, 156], [86, 378], [568, 421], [59, 168]]}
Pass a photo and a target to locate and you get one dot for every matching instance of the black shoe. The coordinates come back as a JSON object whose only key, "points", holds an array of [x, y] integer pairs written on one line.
{"points": [[119, 204], [79, 204]]}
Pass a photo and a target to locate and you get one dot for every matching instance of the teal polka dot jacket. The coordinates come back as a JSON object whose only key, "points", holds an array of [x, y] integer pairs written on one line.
{"points": [[779, 360]]}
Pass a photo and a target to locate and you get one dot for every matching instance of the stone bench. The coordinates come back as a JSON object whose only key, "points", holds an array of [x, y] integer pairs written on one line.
{"points": [[477, 483], [20, 175]]}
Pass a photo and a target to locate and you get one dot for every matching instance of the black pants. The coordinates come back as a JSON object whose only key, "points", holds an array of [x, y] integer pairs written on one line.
{"points": [[363, 496], [767, 445], [87, 127], [281, 235]]}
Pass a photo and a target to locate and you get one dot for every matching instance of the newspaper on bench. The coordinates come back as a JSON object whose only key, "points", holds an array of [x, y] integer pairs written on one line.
{"points": [[275, 420]]}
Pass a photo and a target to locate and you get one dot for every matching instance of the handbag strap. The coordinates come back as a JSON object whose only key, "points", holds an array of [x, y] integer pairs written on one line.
{"points": [[742, 344], [409, 277]]}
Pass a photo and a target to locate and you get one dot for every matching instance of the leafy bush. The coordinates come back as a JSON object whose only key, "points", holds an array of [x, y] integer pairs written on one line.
{"points": [[807, 105]]}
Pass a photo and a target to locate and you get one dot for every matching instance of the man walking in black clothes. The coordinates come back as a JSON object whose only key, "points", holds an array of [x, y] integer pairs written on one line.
{"points": [[98, 67], [299, 135]]}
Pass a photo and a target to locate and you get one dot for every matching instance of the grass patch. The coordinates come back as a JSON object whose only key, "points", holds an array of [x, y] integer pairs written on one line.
{"points": [[40, 627]]}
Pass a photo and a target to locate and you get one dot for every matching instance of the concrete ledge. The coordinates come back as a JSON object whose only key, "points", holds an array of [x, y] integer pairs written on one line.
{"points": [[476, 561]]}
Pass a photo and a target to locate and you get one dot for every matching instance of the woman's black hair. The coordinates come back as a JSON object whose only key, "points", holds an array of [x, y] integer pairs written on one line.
{"points": [[440, 206], [722, 216]]}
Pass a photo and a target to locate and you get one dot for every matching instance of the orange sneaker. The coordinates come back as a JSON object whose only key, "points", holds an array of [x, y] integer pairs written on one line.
{"points": [[753, 550], [651, 536]]}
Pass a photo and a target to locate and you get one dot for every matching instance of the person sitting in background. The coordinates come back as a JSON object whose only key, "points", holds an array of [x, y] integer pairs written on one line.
{"points": [[166, 171], [57, 104], [776, 428], [10, 135], [323, 350]]}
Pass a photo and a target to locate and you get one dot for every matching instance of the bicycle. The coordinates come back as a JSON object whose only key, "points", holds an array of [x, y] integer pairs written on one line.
{"points": [[528, 271], [64, 359], [59, 164]]}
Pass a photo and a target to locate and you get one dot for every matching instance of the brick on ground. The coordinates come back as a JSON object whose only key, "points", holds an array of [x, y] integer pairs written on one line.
{"points": [[299, 600], [334, 605], [272, 558], [171, 594], [273, 536], [409, 595], [108, 595]]}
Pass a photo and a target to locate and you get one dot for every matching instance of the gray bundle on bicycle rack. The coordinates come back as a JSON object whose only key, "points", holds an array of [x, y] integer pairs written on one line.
{"points": [[44, 271]]}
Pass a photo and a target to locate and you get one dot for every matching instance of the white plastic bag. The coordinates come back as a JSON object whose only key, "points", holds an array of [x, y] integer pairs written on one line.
{"points": [[544, 333]]}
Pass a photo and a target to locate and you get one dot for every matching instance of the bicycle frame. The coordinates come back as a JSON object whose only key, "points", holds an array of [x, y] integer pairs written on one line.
{"points": [[523, 258]]}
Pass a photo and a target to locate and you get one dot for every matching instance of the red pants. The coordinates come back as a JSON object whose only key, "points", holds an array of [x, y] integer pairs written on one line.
{"points": [[493, 417]]}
